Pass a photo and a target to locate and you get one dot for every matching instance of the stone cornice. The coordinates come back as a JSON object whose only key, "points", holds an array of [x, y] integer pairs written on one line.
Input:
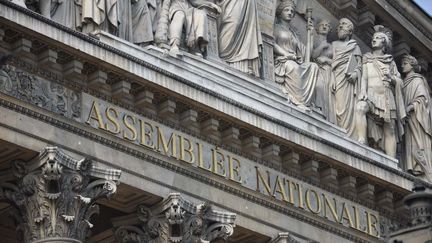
{"points": [[296, 129], [242, 193]]}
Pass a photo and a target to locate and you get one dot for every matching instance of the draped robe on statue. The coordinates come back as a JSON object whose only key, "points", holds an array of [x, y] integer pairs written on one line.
{"points": [[344, 62], [99, 14], [418, 132], [295, 78], [385, 101], [323, 97], [196, 23], [66, 13], [124, 11], [239, 35], [144, 15]]}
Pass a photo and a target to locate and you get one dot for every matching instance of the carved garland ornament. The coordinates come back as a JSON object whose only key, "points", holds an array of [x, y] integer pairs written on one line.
{"points": [[176, 220], [54, 196]]}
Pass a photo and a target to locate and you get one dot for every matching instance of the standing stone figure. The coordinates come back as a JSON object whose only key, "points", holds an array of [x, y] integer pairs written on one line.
{"points": [[144, 16], [346, 71], [322, 55], [124, 21], [67, 13], [380, 107], [187, 15], [418, 125], [239, 35], [99, 14], [296, 79]]}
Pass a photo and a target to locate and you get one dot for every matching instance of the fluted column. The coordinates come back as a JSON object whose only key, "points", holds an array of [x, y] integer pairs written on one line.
{"points": [[54, 195]]}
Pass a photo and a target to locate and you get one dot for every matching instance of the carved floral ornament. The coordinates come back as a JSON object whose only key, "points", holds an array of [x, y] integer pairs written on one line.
{"points": [[176, 220], [53, 196]]}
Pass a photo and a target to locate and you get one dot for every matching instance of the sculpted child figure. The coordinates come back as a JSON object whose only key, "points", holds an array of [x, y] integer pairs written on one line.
{"points": [[346, 73], [296, 79], [418, 125], [380, 107]]}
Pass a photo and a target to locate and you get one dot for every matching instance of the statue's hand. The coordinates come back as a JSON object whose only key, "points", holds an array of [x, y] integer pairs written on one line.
{"points": [[324, 60], [409, 109], [352, 77], [215, 8], [363, 95]]}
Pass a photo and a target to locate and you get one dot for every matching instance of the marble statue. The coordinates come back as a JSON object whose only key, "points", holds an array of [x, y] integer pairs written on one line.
{"points": [[189, 16], [67, 13], [322, 55], [346, 72], [20, 3], [124, 21], [296, 78], [239, 35], [380, 107], [144, 16], [418, 124], [99, 14]]}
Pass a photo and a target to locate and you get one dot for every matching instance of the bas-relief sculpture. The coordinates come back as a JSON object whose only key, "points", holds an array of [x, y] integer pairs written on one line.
{"points": [[418, 123], [239, 35], [380, 107], [346, 73], [296, 78]]}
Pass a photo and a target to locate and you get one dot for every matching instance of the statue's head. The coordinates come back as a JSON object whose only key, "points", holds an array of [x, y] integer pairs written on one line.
{"points": [[286, 10], [323, 27], [382, 38], [345, 28], [410, 63]]}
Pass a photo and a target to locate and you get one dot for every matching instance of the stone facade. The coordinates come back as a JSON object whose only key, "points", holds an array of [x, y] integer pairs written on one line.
{"points": [[235, 121]]}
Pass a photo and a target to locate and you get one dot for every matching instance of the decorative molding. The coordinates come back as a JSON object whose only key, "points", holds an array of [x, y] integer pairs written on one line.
{"points": [[175, 220], [53, 196], [195, 86], [37, 91], [286, 170], [182, 171]]}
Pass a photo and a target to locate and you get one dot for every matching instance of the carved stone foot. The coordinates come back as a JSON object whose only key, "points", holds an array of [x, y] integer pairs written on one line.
{"points": [[175, 50], [362, 141]]}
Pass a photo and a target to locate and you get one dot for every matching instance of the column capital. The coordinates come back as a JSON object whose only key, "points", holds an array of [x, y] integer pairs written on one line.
{"points": [[53, 196], [175, 220]]}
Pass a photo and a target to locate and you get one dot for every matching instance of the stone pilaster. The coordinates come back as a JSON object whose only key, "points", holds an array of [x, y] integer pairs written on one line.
{"points": [[53, 196], [175, 220]]}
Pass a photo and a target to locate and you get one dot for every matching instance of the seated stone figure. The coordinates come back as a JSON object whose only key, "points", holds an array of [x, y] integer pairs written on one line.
{"points": [[188, 16], [380, 107], [296, 78]]}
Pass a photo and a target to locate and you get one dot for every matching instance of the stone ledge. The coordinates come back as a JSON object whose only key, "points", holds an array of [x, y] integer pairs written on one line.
{"points": [[271, 117]]}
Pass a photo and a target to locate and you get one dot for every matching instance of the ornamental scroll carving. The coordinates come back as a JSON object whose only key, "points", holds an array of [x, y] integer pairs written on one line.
{"points": [[37, 91], [53, 196], [176, 220]]}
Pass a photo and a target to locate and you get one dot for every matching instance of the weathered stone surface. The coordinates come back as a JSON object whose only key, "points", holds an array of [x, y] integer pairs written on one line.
{"points": [[53, 196], [175, 220]]}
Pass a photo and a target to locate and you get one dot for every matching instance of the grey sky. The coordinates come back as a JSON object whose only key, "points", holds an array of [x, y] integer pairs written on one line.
{"points": [[426, 5]]}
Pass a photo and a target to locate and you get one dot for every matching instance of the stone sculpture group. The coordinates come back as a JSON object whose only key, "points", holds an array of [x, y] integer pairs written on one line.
{"points": [[363, 93]]}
